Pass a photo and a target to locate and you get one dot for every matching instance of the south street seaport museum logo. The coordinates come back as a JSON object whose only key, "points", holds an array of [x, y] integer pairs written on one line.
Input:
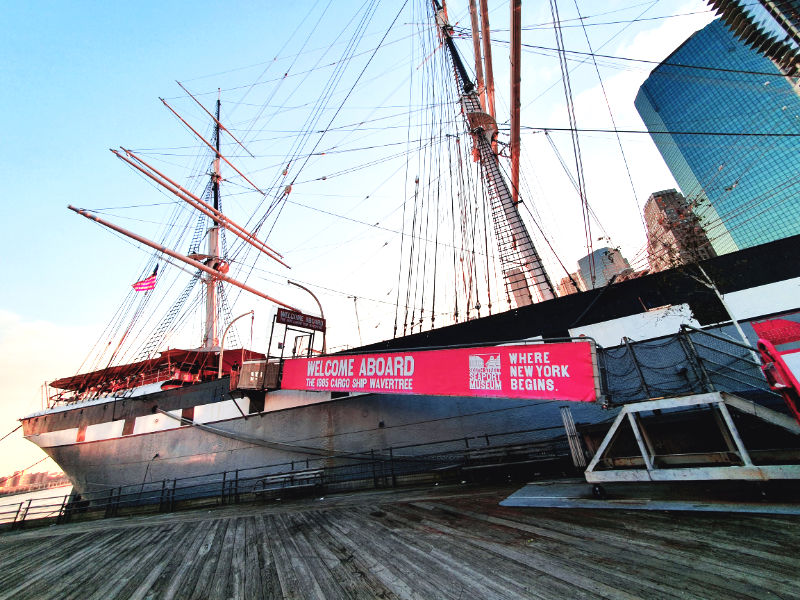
{"points": [[484, 372]]}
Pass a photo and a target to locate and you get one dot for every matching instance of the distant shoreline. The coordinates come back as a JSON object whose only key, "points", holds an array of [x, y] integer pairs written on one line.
{"points": [[32, 488]]}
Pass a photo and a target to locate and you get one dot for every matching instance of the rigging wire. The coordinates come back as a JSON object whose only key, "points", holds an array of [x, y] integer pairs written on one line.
{"points": [[595, 55], [10, 432], [756, 134], [613, 123], [576, 148], [405, 186], [562, 55], [279, 200]]}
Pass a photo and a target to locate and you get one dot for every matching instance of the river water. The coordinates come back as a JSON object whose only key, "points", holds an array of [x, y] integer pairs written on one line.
{"points": [[45, 502]]}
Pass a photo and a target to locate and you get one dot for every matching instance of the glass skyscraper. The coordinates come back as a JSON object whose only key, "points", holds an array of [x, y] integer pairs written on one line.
{"points": [[771, 27], [726, 131]]}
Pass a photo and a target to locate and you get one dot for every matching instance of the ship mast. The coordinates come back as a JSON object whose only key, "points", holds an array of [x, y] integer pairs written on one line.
{"points": [[211, 336], [523, 272]]}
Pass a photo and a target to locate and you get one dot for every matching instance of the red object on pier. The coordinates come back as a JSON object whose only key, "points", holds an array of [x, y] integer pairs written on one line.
{"points": [[781, 366]]}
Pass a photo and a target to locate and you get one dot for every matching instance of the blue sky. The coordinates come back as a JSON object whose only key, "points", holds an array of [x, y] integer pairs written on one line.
{"points": [[80, 77]]}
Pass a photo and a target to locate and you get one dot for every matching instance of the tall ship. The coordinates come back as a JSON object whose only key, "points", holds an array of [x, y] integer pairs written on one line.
{"points": [[149, 411]]}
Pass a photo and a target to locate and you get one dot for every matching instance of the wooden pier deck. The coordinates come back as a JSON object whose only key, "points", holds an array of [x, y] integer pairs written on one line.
{"points": [[442, 542]]}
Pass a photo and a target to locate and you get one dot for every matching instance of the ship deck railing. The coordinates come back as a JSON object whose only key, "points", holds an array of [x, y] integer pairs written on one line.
{"points": [[459, 459]]}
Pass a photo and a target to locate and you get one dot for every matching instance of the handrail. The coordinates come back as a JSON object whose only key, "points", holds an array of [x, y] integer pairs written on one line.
{"points": [[224, 484], [714, 335]]}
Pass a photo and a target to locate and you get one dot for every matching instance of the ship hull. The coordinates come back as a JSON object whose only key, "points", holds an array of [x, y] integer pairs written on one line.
{"points": [[324, 434]]}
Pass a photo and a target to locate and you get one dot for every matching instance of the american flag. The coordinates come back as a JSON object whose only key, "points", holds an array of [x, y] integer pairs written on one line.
{"points": [[146, 284]]}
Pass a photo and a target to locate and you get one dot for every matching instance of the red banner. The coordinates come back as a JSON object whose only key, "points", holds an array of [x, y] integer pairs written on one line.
{"points": [[563, 371]]}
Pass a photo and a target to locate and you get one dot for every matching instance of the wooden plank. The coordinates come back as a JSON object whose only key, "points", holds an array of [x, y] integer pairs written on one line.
{"points": [[109, 566], [16, 563], [348, 569], [211, 555], [319, 560], [535, 570], [402, 566], [730, 574], [220, 581], [253, 587], [596, 567], [59, 566], [388, 574], [430, 548], [236, 589], [603, 554], [269, 572], [519, 579], [190, 571], [289, 585], [153, 566], [129, 576], [689, 556], [410, 544], [293, 566], [153, 563], [176, 576]]}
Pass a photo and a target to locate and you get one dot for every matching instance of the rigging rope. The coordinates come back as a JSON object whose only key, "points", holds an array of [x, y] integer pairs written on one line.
{"points": [[10, 432], [613, 120], [576, 148]]}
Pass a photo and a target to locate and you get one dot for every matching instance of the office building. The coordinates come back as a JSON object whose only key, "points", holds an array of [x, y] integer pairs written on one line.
{"points": [[675, 235], [598, 268], [723, 116], [770, 27], [567, 285]]}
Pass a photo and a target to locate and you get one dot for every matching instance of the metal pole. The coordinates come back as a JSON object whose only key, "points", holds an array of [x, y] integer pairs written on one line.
{"points": [[358, 321], [176, 255], [271, 331], [487, 59], [211, 335], [638, 367], [699, 360], [321, 314], [516, 60], [476, 48], [710, 284], [726, 415], [197, 203], [222, 341]]}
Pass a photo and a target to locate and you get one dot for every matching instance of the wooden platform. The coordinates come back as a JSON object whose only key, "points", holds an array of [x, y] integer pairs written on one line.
{"points": [[428, 543]]}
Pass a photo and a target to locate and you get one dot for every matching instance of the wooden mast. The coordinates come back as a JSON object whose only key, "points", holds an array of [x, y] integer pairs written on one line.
{"points": [[522, 266], [516, 57], [487, 59], [195, 202], [476, 48], [189, 261], [211, 335]]}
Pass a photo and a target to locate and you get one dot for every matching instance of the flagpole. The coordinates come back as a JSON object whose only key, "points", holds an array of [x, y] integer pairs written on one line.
{"points": [[211, 335]]}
